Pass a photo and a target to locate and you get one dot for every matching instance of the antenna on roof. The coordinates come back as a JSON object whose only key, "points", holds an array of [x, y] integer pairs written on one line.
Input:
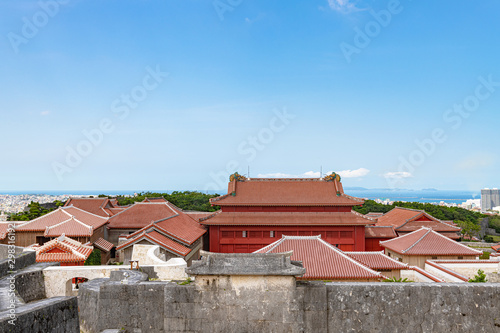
{"points": [[248, 172], [321, 171]]}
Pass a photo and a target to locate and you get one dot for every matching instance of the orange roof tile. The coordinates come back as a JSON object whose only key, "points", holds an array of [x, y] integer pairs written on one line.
{"points": [[199, 215], [70, 250], [496, 247], [140, 215], [321, 260], [428, 242], [285, 192], [5, 226], [407, 220], [287, 218], [92, 205], [372, 231], [180, 227], [65, 220], [377, 260], [71, 228], [103, 244], [157, 238], [397, 217]]}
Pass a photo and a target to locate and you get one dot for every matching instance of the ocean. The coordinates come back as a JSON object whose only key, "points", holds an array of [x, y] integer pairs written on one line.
{"points": [[429, 196]]}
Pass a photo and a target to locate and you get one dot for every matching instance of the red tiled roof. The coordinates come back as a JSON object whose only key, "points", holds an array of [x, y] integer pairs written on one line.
{"points": [[397, 217], [380, 232], [71, 228], [140, 215], [4, 228], [377, 260], [428, 242], [68, 220], [157, 238], [285, 192], [69, 250], [406, 220], [321, 260], [92, 205], [180, 227], [103, 244], [288, 218], [496, 247], [199, 215]]}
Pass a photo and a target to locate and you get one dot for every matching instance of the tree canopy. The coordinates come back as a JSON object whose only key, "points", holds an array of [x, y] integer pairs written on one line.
{"points": [[439, 212], [186, 200]]}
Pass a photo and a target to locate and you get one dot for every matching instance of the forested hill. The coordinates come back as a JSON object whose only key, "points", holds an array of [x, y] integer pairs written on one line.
{"points": [[186, 200], [440, 212]]}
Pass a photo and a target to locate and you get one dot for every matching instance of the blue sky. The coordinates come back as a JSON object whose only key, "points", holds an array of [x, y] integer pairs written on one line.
{"points": [[178, 94]]}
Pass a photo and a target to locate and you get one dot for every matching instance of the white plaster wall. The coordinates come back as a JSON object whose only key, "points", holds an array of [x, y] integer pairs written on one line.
{"points": [[57, 276], [441, 274], [414, 276], [470, 269]]}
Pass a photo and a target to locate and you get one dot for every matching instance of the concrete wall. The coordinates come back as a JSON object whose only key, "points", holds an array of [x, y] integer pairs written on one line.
{"points": [[56, 315], [58, 279], [20, 261], [284, 307]]}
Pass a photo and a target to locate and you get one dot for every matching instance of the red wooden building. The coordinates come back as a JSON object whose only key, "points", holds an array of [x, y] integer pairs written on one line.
{"points": [[256, 212]]}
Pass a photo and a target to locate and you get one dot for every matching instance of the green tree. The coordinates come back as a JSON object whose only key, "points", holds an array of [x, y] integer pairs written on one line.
{"points": [[94, 258], [468, 228], [479, 278]]}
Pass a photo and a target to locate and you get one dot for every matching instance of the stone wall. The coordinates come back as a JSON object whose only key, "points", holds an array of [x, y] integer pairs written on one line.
{"points": [[20, 261], [56, 315], [275, 307]]}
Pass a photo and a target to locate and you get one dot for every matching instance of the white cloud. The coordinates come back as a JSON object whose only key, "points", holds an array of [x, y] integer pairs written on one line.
{"points": [[315, 174], [341, 5], [398, 175], [358, 173], [44, 113]]}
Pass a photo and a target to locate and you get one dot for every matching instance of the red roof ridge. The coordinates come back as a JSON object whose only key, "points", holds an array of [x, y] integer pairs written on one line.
{"points": [[210, 216], [363, 216], [424, 213], [84, 211], [220, 197], [379, 253], [145, 234], [38, 218], [103, 244], [334, 248], [465, 246], [401, 237], [154, 225], [418, 241], [67, 244], [447, 270], [425, 273], [91, 228]]}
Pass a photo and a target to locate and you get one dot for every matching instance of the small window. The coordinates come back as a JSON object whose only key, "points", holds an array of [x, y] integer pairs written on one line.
{"points": [[460, 257], [244, 234], [400, 259], [433, 258], [271, 234]]}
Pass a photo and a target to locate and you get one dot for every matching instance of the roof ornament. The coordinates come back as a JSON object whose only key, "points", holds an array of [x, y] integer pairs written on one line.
{"points": [[333, 176], [236, 176]]}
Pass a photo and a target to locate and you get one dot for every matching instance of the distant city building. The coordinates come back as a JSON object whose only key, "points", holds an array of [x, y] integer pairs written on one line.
{"points": [[490, 199], [3, 217]]}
